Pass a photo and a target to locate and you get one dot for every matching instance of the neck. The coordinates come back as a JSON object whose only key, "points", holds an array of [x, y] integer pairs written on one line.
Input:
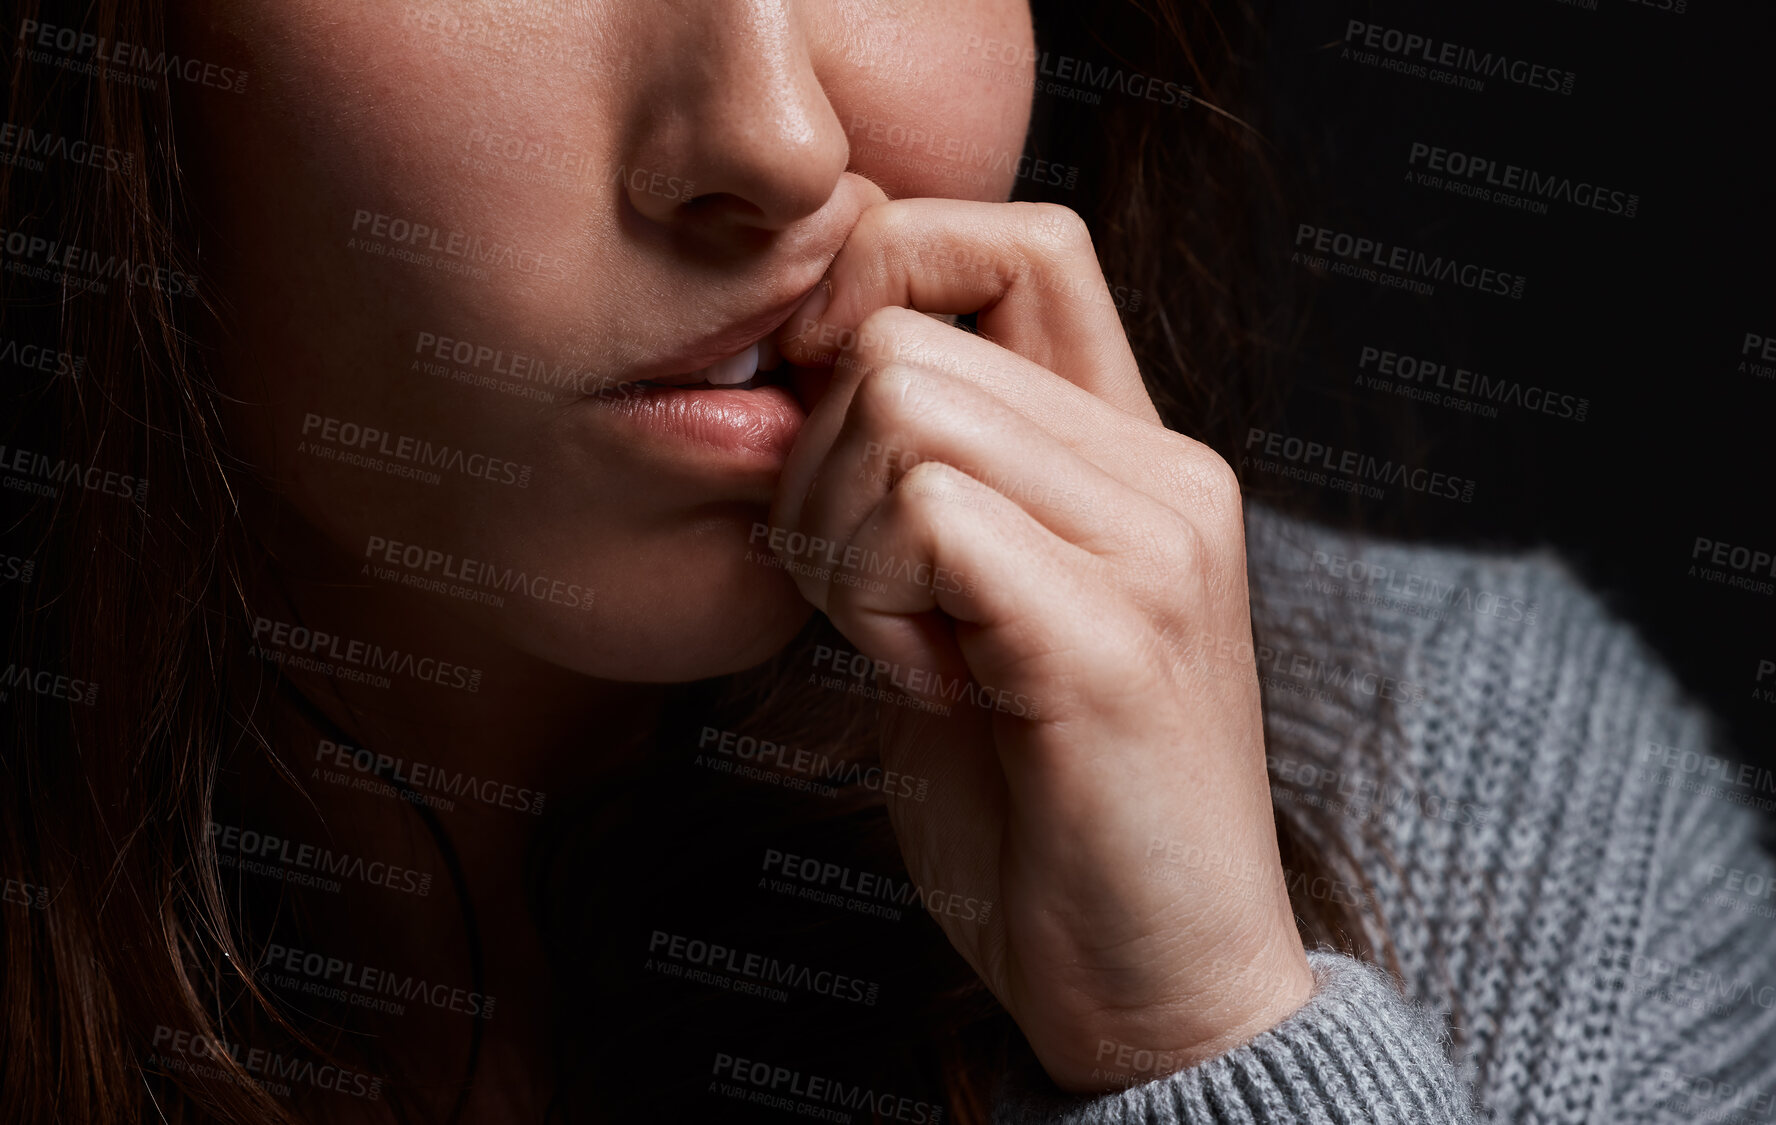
{"points": [[482, 762], [459, 698]]}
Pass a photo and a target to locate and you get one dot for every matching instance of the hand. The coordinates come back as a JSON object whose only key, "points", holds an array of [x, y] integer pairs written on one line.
{"points": [[1076, 554]]}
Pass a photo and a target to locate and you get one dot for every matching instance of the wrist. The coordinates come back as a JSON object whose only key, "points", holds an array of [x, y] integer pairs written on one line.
{"points": [[1241, 999]]}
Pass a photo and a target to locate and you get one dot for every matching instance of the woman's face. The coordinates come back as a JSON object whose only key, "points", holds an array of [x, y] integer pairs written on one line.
{"points": [[451, 236]]}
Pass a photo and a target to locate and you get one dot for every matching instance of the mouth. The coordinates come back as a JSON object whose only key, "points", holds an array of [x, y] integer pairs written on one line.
{"points": [[757, 365], [740, 413]]}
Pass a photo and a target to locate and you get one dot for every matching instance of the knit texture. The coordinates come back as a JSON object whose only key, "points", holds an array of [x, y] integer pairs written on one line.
{"points": [[1555, 838]]}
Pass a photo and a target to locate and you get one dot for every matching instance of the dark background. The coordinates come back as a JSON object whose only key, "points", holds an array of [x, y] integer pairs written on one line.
{"points": [[1645, 317]]}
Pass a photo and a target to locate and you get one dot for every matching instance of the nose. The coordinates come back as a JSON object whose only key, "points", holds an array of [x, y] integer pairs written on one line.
{"points": [[740, 118]]}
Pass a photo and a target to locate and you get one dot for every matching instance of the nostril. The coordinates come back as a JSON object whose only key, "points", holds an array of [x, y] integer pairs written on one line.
{"points": [[723, 207]]}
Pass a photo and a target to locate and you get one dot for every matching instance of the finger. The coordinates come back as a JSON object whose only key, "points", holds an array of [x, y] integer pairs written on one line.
{"points": [[1009, 656], [1028, 270], [1175, 470], [833, 483], [942, 520], [1040, 678]]}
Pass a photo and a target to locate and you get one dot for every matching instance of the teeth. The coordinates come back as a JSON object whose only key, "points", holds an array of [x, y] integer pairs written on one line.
{"points": [[735, 369]]}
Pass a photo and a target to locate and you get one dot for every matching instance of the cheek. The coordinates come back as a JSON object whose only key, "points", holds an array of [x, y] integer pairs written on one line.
{"points": [[341, 192], [370, 126], [936, 101]]}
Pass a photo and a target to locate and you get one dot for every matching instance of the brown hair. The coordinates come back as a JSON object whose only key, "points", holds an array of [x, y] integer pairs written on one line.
{"points": [[137, 593]]}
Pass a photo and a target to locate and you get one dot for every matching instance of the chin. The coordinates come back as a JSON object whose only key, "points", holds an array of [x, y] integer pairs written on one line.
{"points": [[659, 637]]}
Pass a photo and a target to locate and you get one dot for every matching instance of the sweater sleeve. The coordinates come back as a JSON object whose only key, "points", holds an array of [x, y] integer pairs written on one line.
{"points": [[1698, 1023], [1561, 844], [1356, 1051]]}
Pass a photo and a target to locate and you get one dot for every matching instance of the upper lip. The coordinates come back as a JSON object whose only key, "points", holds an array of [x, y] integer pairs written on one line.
{"points": [[719, 345]]}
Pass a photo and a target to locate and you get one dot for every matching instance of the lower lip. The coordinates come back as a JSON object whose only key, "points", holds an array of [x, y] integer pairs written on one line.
{"points": [[760, 423]]}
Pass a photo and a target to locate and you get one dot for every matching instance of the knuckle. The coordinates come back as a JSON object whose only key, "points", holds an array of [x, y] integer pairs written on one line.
{"points": [[930, 474], [883, 227], [884, 398], [1060, 226], [1211, 489], [923, 488], [1221, 484], [885, 333], [1186, 548], [842, 600]]}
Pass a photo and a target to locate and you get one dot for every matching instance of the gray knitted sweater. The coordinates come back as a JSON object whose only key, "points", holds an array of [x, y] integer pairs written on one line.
{"points": [[1568, 868]]}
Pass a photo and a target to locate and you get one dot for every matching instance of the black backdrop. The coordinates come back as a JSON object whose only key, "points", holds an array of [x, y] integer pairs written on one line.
{"points": [[1645, 317]]}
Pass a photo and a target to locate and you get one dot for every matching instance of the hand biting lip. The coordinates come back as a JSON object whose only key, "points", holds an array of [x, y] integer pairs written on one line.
{"points": [[738, 410], [747, 368], [726, 353], [730, 405], [731, 401]]}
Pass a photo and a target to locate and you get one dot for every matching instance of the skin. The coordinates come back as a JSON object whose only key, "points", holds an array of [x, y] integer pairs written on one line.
{"points": [[1104, 554]]}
